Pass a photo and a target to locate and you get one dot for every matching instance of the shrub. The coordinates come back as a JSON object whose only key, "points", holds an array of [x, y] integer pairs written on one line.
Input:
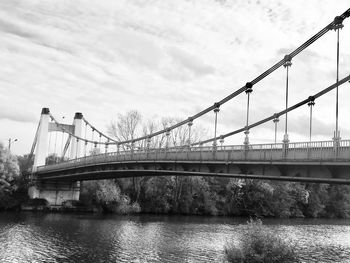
{"points": [[259, 244], [38, 202], [125, 208], [71, 204]]}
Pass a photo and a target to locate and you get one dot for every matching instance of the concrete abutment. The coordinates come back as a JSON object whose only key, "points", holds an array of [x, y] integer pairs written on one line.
{"points": [[55, 192]]}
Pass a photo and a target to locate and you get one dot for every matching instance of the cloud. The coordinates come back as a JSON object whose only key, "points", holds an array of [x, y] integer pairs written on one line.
{"points": [[13, 114], [190, 62], [8, 27], [162, 57], [300, 125], [134, 47]]}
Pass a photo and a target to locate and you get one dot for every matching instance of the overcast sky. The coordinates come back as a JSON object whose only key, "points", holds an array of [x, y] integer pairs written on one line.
{"points": [[167, 58]]}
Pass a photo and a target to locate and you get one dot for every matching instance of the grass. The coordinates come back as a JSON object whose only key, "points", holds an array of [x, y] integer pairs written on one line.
{"points": [[260, 245]]}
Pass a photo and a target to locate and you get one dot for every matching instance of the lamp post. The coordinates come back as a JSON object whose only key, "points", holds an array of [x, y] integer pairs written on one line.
{"points": [[11, 142]]}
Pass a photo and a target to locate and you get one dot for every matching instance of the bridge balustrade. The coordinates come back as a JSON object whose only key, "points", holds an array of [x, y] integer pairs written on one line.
{"points": [[301, 151]]}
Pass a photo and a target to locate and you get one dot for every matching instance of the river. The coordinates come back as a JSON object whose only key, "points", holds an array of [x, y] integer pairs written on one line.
{"points": [[40, 237]]}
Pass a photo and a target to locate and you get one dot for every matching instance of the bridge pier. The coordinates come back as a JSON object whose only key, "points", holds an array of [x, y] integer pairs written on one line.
{"points": [[55, 192]]}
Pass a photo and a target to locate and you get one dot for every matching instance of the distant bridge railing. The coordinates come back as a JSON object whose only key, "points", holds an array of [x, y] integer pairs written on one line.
{"points": [[299, 151]]}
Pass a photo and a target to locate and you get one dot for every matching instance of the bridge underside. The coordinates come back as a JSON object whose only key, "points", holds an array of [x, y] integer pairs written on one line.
{"points": [[297, 171]]}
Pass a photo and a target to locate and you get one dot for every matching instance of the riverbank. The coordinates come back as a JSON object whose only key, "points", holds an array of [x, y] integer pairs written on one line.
{"points": [[199, 196], [72, 206]]}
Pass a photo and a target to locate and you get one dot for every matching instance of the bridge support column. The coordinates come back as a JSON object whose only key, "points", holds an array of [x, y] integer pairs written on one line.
{"points": [[338, 24], [216, 111], [287, 64], [55, 192], [76, 144], [248, 90]]}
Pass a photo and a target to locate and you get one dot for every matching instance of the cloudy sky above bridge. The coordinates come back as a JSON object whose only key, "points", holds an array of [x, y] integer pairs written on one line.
{"points": [[167, 58]]}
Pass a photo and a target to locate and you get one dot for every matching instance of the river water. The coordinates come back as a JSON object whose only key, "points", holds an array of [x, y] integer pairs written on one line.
{"points": [[37, 237]]}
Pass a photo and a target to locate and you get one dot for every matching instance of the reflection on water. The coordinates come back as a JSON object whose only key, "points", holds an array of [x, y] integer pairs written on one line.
{"points": [[30, 237]]}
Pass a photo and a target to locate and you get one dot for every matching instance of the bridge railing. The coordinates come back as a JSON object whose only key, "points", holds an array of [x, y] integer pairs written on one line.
{"points": [[299, 151]]}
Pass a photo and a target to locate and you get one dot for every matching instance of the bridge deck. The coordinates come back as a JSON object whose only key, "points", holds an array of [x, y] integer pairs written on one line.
{"points": [[305, 152]]}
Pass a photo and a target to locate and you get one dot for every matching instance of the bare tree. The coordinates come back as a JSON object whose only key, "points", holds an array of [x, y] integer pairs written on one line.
{"points": [[150, 127], [130, 126], [127, 127], [181, 136]]}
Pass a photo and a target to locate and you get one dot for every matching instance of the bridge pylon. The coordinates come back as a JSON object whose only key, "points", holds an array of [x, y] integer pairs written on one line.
{"points": [[76, 144], [55, 192], [42, 139]]}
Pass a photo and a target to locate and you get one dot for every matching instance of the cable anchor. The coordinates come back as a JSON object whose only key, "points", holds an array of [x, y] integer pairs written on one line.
{"points": [[337, 23], [287, 61]]}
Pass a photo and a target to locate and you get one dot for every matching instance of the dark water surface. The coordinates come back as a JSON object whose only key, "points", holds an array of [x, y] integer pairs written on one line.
{"points": [[36, 237]]}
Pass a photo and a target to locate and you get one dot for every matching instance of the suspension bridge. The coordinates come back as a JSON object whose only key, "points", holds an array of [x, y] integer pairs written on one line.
{"points": [[83, 152]]}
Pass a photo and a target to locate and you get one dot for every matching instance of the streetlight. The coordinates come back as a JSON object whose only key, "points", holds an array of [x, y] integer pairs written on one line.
{"points": [[11, 142]]}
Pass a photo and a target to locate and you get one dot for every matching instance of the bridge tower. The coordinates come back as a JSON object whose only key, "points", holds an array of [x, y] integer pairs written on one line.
{"points": [[41, 140], [55, 192], [76, 144]]}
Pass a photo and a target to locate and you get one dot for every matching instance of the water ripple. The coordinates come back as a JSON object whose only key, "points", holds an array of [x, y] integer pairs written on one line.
{"points": [[29, 237]]}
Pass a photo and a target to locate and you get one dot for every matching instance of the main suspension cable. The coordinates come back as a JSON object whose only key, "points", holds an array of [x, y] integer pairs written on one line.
{"points": [[98, 131], [330, 26], [295, 106], [242, 89]]}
